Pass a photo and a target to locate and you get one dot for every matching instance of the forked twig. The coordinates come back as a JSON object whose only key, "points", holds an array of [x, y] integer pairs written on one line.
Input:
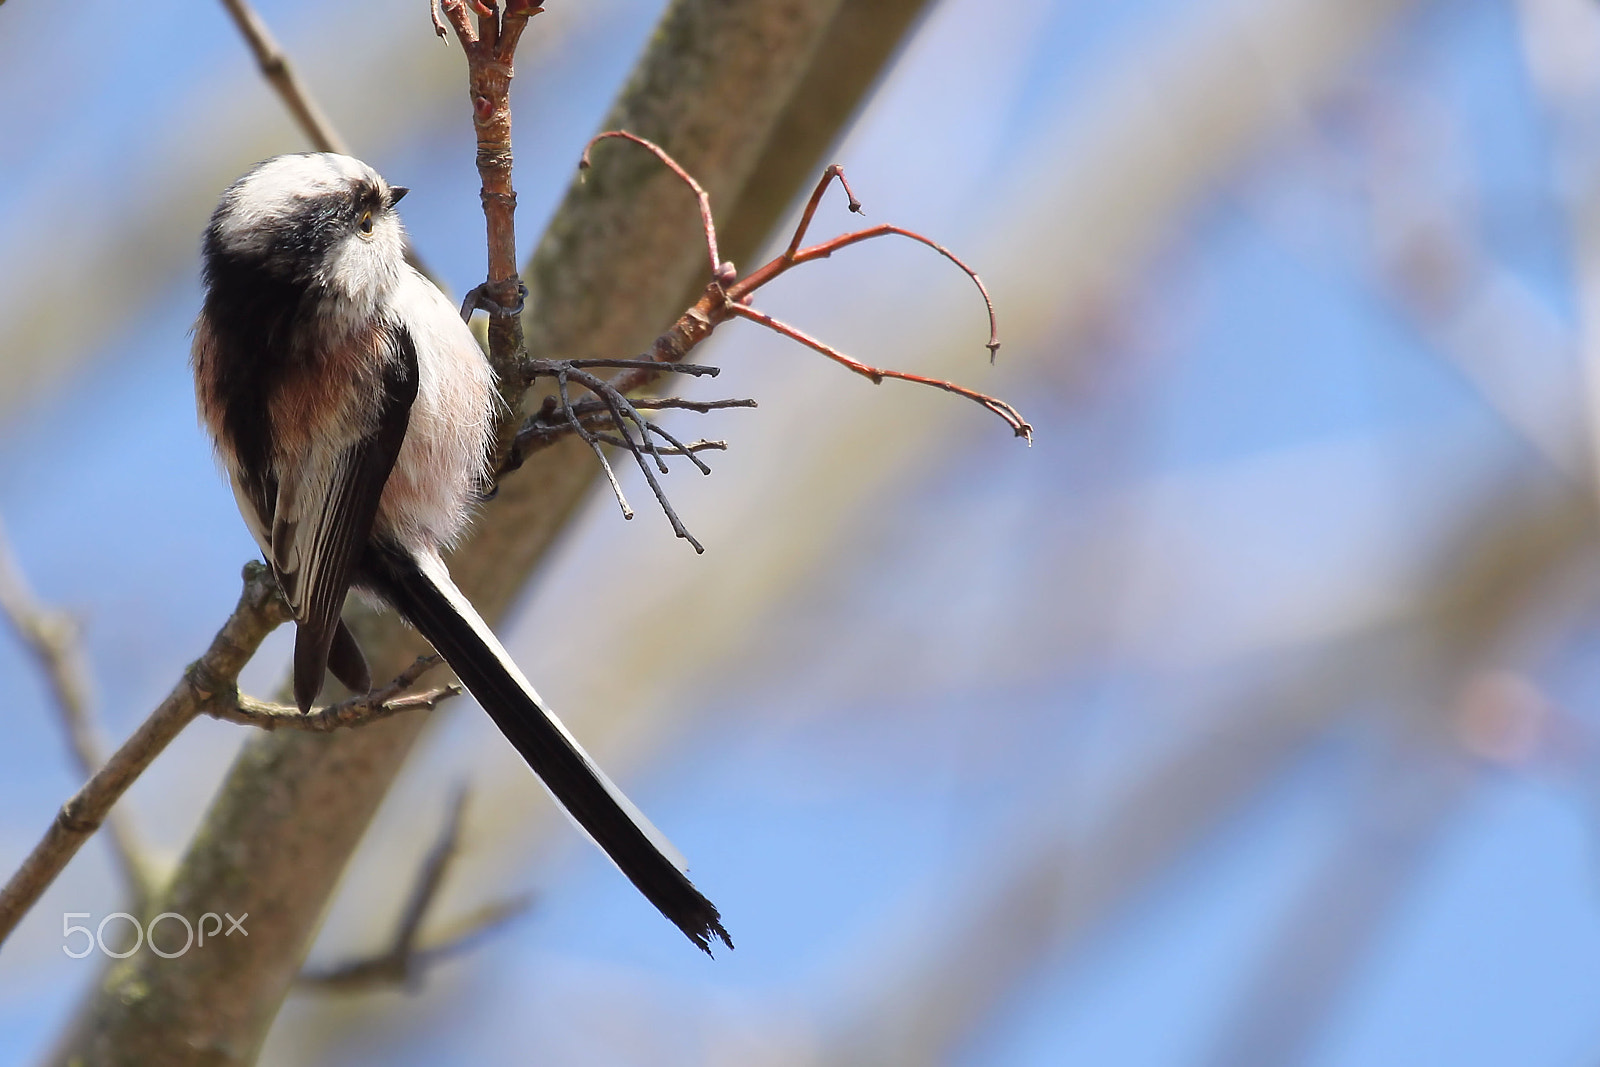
{"points": [[392, 699], [594, 443], [728, 296], [622, 413], [406, 961]]}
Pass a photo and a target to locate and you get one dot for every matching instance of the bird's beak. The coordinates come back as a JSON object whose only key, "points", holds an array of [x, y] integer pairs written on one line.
{"points": [[397, 193]]}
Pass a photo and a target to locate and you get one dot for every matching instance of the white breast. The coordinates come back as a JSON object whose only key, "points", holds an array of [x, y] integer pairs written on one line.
{"points": [[443, 462]]}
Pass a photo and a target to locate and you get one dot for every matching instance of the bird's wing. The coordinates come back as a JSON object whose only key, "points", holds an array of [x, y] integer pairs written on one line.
{"points": [[322, 518], [344, 653]]}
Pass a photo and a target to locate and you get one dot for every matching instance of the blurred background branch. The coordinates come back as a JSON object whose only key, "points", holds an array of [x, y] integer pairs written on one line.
{"points": [[52, 637]]}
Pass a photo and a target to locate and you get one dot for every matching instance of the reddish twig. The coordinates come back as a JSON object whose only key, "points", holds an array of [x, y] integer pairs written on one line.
{"points": [[728, 296], [702, 198], [833, 171], [876, 375], [791, 258], [490, 45]]}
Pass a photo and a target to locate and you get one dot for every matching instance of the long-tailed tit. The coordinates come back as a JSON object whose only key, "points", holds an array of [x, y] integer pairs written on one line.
{"points": [[353, 411]]}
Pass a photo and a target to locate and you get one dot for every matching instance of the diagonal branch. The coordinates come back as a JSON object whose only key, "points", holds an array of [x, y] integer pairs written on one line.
{"points": [[490, 46], [275, 67], [406, 961], [260, 611], [53, 639]]}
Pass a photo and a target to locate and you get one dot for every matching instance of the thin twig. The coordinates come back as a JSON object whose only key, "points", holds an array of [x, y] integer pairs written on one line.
{"points": [[260, 610], [540, 432], [672, 450], [875, 375], [545, 368], [832, 171], [728, 296], [405, 962], [275, 67], [829, 247], [52, 637], [622, 412], [702, 198], [594, 443], [392, 699]]}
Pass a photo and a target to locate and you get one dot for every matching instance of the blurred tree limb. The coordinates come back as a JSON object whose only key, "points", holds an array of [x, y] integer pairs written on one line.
{"points": [[53, 638], [613, 268], [1056, 891]]}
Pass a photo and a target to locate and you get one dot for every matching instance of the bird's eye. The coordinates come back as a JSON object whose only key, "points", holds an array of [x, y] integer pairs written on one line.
{"points": [[366, 222]]}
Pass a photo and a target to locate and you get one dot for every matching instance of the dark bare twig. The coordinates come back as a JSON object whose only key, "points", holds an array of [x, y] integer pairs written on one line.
{"points": [[405, 962], [671, 450], [552, 424], [594, 443], [52, 637], [538, 368], [392, 699], [623, 412], [260, 611]]}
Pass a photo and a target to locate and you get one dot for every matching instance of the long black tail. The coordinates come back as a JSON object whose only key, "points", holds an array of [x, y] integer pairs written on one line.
{"points": [[421, 590]]}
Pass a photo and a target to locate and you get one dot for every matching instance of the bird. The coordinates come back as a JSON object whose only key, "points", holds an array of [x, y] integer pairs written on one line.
{"points": [[353, 412]]}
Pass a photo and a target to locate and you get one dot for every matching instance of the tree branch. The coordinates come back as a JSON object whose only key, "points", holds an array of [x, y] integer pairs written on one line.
{"points": [[280, 74], [490, 48], [406, 961], [275, 67], [392, 699], [260, 611], [53, 639]]}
